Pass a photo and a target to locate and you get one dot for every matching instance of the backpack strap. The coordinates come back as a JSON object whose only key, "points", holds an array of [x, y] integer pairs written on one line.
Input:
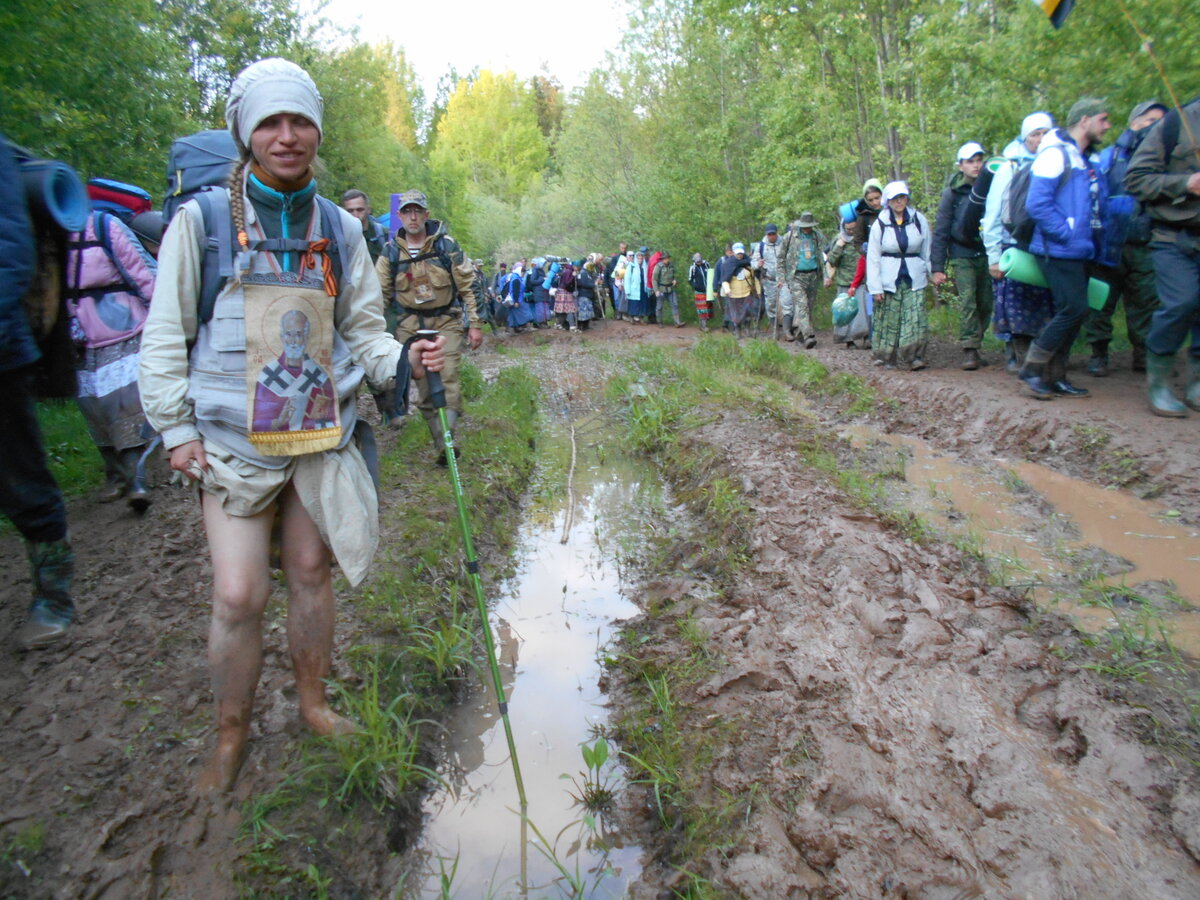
{"points": [[73, 290], [219, 263]]}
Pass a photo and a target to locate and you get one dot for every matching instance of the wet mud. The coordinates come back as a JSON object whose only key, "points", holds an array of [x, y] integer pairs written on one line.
{"points": [[904, 727]]}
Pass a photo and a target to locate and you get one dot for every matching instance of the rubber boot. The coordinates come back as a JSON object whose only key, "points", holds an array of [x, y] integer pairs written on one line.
{"points": [[1033, 372], [1192, 398], [787, 329], [1056, 376], [970, 359], [115, 482], [53, 567], [1163, 401], [1011, 364], [1139, 358], [137, 495], [1097, 366], [1020, 349]]}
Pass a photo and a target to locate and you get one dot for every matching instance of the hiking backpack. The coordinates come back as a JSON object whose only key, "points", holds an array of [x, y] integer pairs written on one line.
{"points": [[198, 162], [109, 313], [1014, 215], [392, 251], [122, 200]]}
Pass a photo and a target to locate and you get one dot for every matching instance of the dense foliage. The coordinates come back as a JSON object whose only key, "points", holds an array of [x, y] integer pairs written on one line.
{"points": [[714, 116]]}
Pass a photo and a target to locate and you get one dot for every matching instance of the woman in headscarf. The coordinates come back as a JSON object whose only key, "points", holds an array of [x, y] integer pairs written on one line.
{"points": [[637, 287], [897, 270], [585, 291], [740, 288], [255, 397]]}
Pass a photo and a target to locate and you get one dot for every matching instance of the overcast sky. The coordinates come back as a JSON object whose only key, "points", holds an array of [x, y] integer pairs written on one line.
{"points": [[570, 38]]}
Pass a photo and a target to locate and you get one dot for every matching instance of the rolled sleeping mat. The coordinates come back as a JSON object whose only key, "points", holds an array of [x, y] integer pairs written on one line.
{"points": [[847, 211], [1023, 267], [52, 188]]}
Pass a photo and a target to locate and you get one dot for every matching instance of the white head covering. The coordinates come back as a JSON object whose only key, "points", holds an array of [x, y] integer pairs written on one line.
{"points": [[1034, 122], [267, 88], [739, 248], [969, 149], [894, 189]]}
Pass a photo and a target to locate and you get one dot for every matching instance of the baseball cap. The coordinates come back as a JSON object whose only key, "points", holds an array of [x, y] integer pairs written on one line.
{"points": [[739, 248], [413, 198], [969, 149], [895, 189], [1142, 108], [772, 228], [1084, 107]]}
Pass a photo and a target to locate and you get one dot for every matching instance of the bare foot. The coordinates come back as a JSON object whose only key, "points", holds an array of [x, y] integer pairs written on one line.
{"points": [[325, 722], [221, 772]]}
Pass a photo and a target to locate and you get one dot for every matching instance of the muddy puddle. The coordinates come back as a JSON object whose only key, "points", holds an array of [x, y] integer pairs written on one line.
{"points": [[551, 621], [1079, 548]]}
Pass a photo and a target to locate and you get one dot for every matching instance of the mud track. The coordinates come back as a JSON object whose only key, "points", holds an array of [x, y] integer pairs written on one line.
{"points": [[914, 733]]}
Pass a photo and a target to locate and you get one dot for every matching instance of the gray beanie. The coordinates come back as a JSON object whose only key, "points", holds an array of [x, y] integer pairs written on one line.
{"points": [[267, 88]]}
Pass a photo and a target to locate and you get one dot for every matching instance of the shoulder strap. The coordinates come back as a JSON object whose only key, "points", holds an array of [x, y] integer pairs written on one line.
{"points": [[331, 214], [217, 262], [1170, 135]]}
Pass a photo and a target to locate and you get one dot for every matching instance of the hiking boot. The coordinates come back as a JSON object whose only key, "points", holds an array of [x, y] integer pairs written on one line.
{"points": [[52, 609], [970, 360], [810, 342], [917, 365], [1163, 401], [1139, 359], [1097, 366]]}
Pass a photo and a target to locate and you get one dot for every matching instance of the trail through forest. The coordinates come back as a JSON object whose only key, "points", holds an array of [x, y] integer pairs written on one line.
{"points": [[894, 718]]}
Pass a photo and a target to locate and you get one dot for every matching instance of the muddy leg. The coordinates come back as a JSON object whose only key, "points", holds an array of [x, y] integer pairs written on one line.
{"points": [[241, 585], [306, 562]]}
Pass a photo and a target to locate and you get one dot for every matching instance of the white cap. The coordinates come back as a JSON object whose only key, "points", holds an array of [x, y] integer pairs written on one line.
{"points": [[1036, 122], [969, 149], [739, 248], [894, 189]]}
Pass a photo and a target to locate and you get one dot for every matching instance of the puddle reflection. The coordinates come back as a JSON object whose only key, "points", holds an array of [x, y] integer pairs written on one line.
{"points": [[550, 621]]}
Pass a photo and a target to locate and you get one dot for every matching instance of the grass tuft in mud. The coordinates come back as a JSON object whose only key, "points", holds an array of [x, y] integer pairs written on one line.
{"points": [[416, 647]]}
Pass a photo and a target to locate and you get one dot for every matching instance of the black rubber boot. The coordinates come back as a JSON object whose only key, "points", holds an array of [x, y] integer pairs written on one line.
{"points": [[1033, 372], [52, 610], [1056, 376], [1097, 366]]}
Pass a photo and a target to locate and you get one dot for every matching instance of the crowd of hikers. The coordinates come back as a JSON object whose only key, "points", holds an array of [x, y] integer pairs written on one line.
{"points": [[238, 337]]}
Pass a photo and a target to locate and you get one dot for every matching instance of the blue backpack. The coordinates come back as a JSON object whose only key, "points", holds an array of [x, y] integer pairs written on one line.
{"points": [[197, 162]]}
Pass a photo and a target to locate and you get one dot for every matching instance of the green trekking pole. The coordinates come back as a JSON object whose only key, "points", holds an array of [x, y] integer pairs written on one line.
{"points": [[437, 395]]}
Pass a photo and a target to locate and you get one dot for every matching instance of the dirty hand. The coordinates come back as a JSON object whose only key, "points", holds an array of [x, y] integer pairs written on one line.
{"points": [[474, 338], [427, 356], [828, 282], [878, 298], [939, 278], [994, 271], [190, 459]]}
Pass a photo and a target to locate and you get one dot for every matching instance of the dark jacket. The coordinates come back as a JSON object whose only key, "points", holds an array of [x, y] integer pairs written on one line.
{"points": [[17, 346], [945, 246], [698, 277], [1161, 183]]}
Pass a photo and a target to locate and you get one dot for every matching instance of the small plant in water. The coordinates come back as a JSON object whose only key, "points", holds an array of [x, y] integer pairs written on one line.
{"points": [[595, 792]]}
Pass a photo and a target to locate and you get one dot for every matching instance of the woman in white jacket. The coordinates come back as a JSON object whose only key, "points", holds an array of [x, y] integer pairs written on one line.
{"points": [[897, 272]]}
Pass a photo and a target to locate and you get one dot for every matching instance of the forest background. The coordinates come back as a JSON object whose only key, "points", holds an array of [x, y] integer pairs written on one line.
{"points": [[707, 119]]}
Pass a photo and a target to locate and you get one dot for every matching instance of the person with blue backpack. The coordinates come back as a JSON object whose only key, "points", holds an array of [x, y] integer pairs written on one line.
{"points": [[299, 474], [1066, 203], [1126, 264]]}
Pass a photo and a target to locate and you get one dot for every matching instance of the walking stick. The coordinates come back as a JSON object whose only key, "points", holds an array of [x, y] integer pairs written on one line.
{"points": [[437, 395]]}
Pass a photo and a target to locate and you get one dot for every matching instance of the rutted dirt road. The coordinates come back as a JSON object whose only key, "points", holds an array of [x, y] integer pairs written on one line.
{"points": [[915, 732]]}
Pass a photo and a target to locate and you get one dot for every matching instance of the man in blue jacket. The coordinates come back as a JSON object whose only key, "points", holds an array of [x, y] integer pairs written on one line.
{"points": [[1126, 264], [1066, 200], [29, 495]]}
